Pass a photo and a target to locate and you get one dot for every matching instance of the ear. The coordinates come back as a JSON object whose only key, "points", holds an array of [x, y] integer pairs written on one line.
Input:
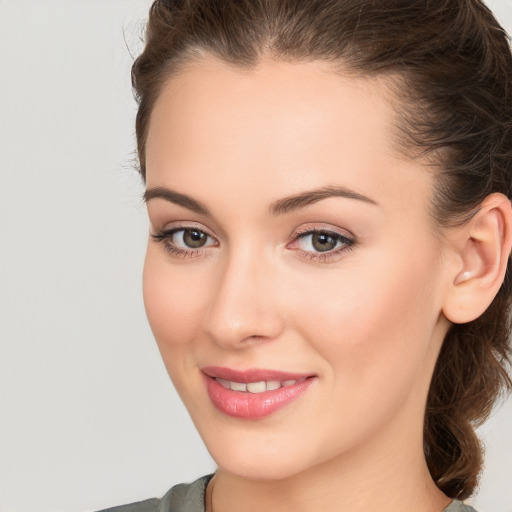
{"points": [[482, 246]]}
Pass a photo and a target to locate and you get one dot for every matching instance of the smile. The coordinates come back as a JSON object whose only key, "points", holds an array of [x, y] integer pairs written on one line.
{"points": [[257, 387], [253, 394]]}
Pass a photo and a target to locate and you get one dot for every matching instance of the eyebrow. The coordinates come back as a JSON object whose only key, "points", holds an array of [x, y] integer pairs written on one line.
{"points": [[279, 207], [176, 198], [297, 201]]}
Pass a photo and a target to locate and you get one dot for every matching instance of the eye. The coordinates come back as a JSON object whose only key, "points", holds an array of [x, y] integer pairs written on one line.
{"points": [[321, 244], [185, 241], [189, 238], [319, 241]]}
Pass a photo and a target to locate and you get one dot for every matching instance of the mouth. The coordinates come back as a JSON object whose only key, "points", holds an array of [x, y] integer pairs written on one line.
{"points": [[254, 394], [257, 387]]}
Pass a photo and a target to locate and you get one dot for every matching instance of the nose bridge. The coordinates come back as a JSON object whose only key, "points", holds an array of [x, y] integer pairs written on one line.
{"points": [[241, 307]]}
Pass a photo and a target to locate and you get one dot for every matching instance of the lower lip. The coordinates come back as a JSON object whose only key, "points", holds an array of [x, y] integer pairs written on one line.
{"points": [[253, 405]]}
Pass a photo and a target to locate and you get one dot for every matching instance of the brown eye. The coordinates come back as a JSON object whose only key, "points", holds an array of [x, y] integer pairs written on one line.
{"points": [[193, 238], [322, 242], [185, 241]]}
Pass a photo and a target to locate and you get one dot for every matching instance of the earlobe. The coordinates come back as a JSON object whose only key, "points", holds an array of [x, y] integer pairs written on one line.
{"points": [[483, 246]]}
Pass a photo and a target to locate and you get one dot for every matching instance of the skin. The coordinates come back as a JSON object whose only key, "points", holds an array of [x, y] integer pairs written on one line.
{"points": [[368, 321]]}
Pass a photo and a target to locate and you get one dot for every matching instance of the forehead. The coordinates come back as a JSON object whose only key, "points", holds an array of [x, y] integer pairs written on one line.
{"points": [[263, 104], [281, 126]]}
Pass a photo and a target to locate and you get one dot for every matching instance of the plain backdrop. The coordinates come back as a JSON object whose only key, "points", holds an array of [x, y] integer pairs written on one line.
{"points": [[89, 417]]}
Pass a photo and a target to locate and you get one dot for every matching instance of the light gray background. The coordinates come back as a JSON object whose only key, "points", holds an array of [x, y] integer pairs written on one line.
{"points": [[89, 418]]}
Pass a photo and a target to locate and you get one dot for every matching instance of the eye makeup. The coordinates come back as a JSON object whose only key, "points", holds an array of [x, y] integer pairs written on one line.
{"points": [[185, 241], [321, 244], [310, 243]]}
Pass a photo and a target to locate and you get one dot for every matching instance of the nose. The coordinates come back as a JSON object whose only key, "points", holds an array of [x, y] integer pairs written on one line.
{"points": [[243, 307]]}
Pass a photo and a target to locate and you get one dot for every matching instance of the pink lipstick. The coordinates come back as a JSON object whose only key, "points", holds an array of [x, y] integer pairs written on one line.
{"points": [[253, 393]]}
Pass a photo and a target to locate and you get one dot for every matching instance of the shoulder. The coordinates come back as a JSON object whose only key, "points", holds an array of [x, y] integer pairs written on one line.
{"points": [[180, 498], [151, 505], [458, 506]]}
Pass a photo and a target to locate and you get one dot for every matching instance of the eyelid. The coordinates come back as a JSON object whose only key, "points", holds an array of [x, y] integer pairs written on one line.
{"points": [[165, 234], [181, 224], [323, 228], [347, 239]]}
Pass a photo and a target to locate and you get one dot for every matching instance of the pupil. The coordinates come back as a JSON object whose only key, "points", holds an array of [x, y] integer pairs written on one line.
{"points": [[194, 238], [323, 242]]}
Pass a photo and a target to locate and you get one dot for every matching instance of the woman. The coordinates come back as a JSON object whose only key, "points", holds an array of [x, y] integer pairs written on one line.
{"points": [[327, 276]]}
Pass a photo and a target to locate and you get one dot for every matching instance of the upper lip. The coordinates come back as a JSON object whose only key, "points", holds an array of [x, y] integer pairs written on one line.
{"points": [[252, 374]]}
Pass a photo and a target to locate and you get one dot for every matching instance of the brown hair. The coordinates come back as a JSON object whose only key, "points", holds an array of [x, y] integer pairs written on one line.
{"points": [[454, 69]]}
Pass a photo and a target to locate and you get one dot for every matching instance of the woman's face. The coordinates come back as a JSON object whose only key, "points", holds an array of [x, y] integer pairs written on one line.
{"points": [[294, 261]]}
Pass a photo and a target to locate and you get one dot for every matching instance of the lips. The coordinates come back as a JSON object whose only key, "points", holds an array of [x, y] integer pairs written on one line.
{"points": [[254, 393]]}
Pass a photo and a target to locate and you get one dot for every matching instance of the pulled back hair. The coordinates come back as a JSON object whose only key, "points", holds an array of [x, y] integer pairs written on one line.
{"points": [[452, 69]]}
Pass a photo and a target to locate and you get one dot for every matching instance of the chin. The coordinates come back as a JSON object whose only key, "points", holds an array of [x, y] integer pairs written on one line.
{"points": [[261, 466], [258, 454]]}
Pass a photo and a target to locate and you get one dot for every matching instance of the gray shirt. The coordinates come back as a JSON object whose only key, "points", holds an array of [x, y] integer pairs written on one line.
{"points": [[190, 498]]}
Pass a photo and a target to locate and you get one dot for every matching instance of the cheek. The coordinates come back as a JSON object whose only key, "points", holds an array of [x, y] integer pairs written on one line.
{"points": [[375, 318], [373, 324], [173, 305]]}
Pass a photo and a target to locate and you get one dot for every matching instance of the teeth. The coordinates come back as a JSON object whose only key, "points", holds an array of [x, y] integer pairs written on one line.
{"points": [[273, 384], [224, 383], [257, 387], [238, 386]]}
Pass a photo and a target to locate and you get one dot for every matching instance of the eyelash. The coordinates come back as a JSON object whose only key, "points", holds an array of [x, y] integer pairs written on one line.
{"points": [[165, 237], [346, 244]]}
